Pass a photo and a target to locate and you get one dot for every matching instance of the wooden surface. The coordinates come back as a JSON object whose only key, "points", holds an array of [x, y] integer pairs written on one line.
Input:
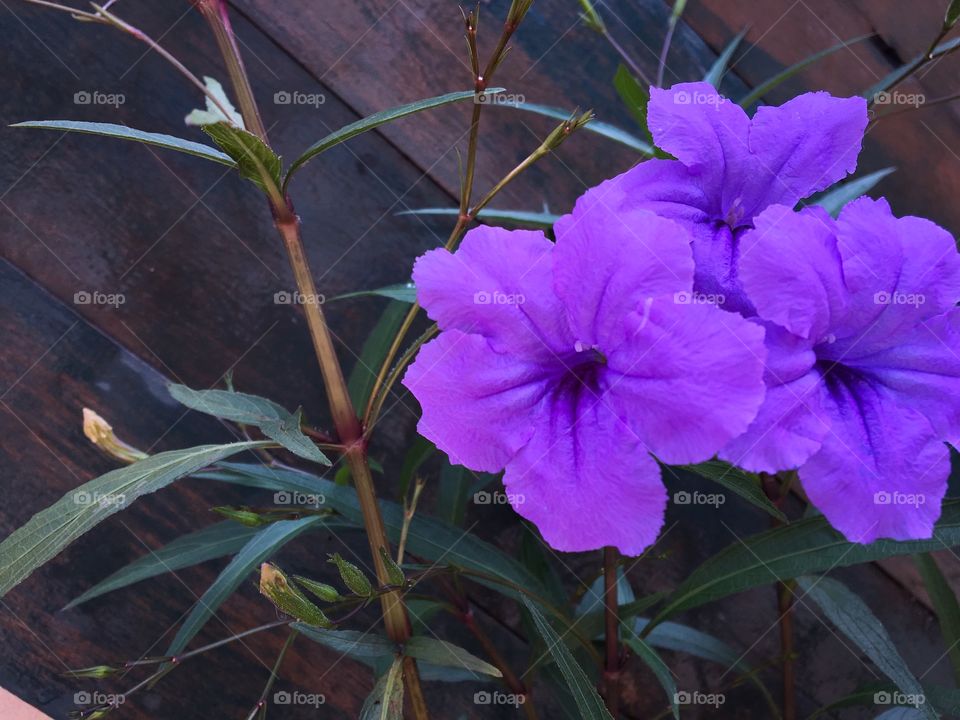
{"points": [[194, 254]]}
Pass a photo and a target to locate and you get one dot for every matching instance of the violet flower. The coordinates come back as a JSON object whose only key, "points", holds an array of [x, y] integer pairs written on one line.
{"points": [[730, 167], [863, 339], [567, 365]]}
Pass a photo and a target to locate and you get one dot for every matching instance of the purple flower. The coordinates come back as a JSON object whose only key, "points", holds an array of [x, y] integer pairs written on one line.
{"points": [[729, 168], [863, 340], [567, 365]]}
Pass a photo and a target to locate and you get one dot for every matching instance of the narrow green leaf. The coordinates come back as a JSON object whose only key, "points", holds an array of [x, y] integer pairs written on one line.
{"points": [[716, 72], [260, 547], [440, 652], [402, 292], [275, 422], [511, 218], [453, 493], [418, 453], [355, 644], [385, 702], [834, 199], [252, 155], [952, 15], [765, 87], [807, 546], [123, 132], [854, 619], [635, 97], [51, 530], [603, 129], [945, 603], [376, 120], [901, 72], [374, 351], [653, 661], [215, 541], [736, 481], [585, 695]]}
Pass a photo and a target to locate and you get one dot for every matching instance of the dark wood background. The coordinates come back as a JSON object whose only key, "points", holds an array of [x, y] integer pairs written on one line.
{"points": [[192, 249]]}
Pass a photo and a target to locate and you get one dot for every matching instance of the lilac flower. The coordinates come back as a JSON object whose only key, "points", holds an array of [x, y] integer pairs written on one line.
{"points": [[863, 340], [567, 365], [730, 167]]}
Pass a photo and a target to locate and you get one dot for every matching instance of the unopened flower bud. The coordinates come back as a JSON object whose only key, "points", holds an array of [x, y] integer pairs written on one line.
{"points": [[394, 572], [100, 433], [352, 576], [566, 129], [591, 18], [240, 515], [325, 592], [97, 671], [288, 598]]}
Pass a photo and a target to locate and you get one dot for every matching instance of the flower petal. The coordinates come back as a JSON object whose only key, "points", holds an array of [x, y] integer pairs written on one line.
{"points": [[689, 379], [498, 284], [476, 402], [632, 256], [805, 145], [791, 270], [881, 471], [585, 481]]}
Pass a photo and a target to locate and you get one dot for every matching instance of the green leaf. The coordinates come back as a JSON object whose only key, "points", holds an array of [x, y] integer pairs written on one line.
{"points": [[260, 547], [358, 645], [854, 619], [453, 493], [225, 538], [253, 157], [603, 129], [402, 292], [385, 702], [901, 72], [738, 482], [440, 652], [653, 661], [635, 97], [123, 132], [807, 546], [584, 694], [418, 453], [834, 199], [275, 422], [952, 15], [513, 218], [375, 348], [765, 87], [51, 530], [945, 603], [716, 72], [376, 120]]}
